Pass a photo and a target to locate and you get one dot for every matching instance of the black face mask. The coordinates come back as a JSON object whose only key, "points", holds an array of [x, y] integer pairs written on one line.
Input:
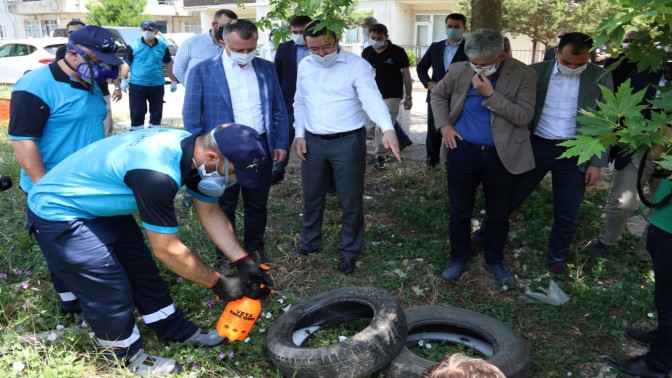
{"points": [[219, 35], [667, 71]]}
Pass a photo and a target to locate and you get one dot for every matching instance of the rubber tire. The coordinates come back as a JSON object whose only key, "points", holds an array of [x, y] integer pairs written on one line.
{"points": [[359, 356], [511, 354]]}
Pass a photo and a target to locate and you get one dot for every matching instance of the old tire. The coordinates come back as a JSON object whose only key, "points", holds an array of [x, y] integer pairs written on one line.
{"points": [[364, 353], [492, 339]]}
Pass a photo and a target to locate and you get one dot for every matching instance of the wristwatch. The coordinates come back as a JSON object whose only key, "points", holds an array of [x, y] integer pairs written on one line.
{"points": [[408, 98]]}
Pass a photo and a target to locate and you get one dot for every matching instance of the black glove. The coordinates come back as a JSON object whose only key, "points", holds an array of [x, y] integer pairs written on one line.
{"points": [[252, 274], [229, 288]]}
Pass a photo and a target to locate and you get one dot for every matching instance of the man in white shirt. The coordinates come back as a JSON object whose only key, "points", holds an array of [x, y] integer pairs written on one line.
{"points": [[335, 91], [564, 86], [202, 46], [237, 87]]}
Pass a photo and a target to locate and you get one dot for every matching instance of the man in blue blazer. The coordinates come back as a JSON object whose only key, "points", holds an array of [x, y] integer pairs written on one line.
{"points": [[236, 87], [438, 57], [287, 59]]}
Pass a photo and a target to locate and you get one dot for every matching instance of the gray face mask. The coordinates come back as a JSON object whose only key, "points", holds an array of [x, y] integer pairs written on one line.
{"points": [[377, 44], [325, 61], [213, 184]]}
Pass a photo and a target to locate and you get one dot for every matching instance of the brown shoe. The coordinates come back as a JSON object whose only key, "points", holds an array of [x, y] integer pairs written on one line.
{"points": [[259, 257], [560, 270]]}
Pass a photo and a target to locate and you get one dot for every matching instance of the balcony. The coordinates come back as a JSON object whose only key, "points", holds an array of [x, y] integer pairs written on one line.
{"points": [[26, 7]]}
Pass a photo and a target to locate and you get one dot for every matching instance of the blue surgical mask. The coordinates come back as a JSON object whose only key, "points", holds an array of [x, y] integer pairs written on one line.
{"points": [[571, 71], [453, 34]]}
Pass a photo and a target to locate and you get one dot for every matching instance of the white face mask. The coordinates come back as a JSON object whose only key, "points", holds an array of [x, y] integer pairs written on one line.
{"points": [[486, 70], [557, 40], [298, 39], [325, 61], [377, 44], [625, 45], [242, 59], [571, 72], [148, 35]]}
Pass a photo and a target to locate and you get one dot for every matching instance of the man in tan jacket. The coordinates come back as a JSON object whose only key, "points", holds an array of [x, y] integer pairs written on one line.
{"points": [[482, 108]]}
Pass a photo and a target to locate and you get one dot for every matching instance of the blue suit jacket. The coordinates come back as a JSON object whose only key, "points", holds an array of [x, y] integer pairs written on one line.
{"points": [[285, 66], [207, 102], [434, 58]]}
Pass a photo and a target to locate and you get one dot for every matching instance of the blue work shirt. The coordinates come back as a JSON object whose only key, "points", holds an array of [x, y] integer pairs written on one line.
{"points": [[59, 114], [139, 171], [147, 61]]}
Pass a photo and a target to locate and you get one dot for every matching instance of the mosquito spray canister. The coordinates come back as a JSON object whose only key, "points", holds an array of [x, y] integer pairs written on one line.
{"points": [[239, 316]]}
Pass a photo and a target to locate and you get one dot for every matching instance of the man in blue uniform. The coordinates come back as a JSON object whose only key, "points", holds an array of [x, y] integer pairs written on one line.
{"points": [[145, 56], [81, 214], [57, 109]]}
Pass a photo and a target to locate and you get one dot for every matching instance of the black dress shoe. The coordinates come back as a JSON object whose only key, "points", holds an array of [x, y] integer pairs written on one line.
{"points": [[346, 266], [641, 336], [635, 366], [300, 251], [276, 177]]}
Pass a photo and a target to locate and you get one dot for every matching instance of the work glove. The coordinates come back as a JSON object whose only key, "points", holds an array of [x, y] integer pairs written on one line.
{"points": [[124, 85], [229, 288], [252, 274], [173, 86]]}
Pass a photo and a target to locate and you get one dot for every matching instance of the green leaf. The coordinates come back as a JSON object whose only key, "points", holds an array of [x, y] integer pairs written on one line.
{"points": [[583, 146]]}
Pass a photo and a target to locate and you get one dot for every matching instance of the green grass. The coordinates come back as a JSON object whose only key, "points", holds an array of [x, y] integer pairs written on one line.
{"points": [[406, 248]]}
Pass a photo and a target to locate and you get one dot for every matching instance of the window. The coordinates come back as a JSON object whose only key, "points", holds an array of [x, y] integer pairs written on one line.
{"points": [[3, 32], [6, 50], [192, 27], [48, 26], [166, 2], [32, 28]]}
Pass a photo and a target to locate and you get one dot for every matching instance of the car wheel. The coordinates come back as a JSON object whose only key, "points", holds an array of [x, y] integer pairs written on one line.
{"points": [[492, 340], [360, 355]]}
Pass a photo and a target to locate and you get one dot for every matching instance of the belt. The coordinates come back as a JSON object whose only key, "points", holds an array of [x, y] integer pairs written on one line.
{"points": [[336, 135], [548, 141], [478, 146]]}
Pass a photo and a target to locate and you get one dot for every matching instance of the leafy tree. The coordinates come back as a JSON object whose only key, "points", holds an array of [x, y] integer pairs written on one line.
{"points": [[116, 12], [541, 19], [619, 119]]}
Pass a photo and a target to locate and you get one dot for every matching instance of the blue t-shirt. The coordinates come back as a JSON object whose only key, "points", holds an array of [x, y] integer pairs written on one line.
{"points": [[58, 113], [139, 171], [147, 62]]}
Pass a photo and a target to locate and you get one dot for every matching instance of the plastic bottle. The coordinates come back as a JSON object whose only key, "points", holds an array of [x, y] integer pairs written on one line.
{"points": [[240, 315]]}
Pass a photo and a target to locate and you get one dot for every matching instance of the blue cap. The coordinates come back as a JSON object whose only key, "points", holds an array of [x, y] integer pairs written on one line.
{"points": [[97, 39], [149, 24], [244, 148]]}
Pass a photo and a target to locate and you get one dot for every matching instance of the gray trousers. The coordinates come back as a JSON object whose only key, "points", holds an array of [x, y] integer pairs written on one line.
{"points": [[624, 200], [345, 158]]}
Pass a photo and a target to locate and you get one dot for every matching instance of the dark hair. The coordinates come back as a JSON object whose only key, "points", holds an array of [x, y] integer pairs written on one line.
{"points": [[226, 12], [456, 17], [246, 29], [312, 31], [579, 42], [75, 21], [299, 21], [378, 29]]}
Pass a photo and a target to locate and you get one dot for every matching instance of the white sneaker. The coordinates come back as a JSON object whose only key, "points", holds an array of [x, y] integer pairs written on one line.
{"points": [[145, 365], [206, 338]]}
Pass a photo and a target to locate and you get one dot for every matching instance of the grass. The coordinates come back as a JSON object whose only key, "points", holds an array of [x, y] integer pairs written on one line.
{"points": [[406, 249]]}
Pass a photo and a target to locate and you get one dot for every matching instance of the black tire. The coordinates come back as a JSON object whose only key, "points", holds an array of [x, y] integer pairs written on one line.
{"points": [[359, 356], [494, 340]]}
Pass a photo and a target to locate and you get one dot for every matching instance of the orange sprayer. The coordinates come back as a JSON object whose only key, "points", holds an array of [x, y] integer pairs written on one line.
{"points": [[240, 315]]}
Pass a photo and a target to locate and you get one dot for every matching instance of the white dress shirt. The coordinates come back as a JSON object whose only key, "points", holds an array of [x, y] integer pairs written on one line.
{"points": [[337, 98], [245, 97], [557, 120]]}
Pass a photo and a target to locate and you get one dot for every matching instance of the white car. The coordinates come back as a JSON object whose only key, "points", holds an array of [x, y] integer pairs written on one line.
{"points": [[19, 56], [178, 38]]}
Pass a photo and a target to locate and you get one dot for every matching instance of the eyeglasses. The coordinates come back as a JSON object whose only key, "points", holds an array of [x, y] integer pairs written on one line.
{"points": [[324, 48]]}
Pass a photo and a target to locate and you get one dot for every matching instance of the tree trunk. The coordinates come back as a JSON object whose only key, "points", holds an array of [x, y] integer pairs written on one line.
{"points": [[534, 51], [486, 14]]}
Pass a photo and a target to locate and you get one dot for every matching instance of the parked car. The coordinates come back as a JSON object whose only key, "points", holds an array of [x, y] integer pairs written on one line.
{"points": [[19, 56], [178, 38]]}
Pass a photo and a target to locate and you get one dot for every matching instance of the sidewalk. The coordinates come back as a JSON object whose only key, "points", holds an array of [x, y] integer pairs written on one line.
{"points": [[172, 117]]}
